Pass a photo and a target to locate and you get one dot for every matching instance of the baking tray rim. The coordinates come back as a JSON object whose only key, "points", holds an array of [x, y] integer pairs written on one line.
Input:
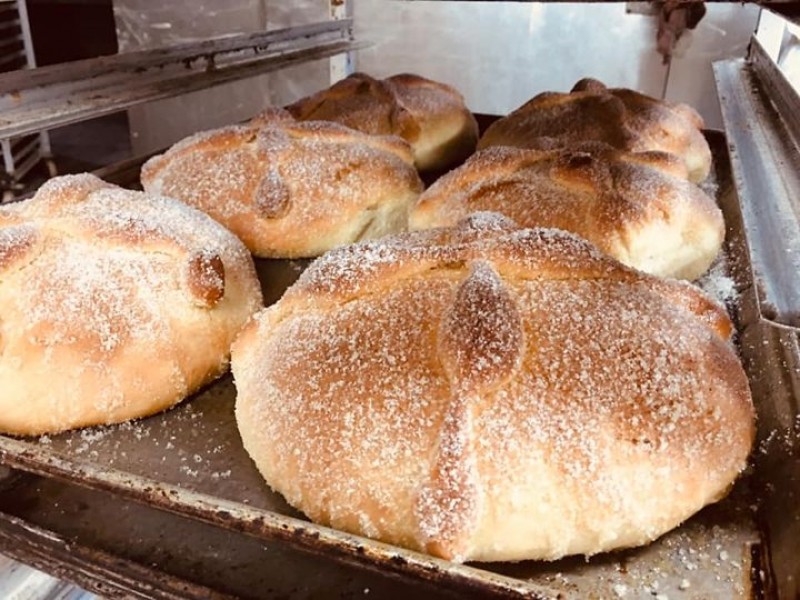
{"points": [[265, 524]]}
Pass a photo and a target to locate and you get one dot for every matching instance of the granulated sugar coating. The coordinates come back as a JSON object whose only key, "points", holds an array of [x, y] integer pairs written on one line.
{"points": [[491, 393], [114, 304], [629, 205], [619, 117], [290, 189], [429, 115], [718, 284]]}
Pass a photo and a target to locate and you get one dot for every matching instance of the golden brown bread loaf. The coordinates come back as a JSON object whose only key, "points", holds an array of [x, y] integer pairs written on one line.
{"points": [[113, 304], [628, 205], [619, 117], [290, 189], [429, 115], [492, 393]]}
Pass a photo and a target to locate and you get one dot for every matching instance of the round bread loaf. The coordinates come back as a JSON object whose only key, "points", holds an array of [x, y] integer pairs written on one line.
{"points": [[492, 393], [619, 117], [113, 304], [628, 205], [290, 189], [429, 115]]}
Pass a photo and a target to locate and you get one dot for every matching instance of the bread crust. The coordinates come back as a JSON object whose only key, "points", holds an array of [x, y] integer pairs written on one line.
{"points": [[492, 393], [635, 207], [429, 115], [619, 117], [113, 305], [290, 189]]}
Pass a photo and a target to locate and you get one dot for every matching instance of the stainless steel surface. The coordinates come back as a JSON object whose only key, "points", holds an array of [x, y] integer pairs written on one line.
{"points": [[210, 53], [499, 56], [783, 93], [724, 32], [18, 582], [34, 100], [190, 461], [766, 167], [144, 25], [761, 115], [768, 345], [18, 161], [770, 32], [25, 32], [343, 65]]}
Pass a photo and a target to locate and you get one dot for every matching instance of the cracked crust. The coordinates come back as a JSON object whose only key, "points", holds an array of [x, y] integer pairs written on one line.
{"points": [[115, 305], [290, 189], [485, 392]]}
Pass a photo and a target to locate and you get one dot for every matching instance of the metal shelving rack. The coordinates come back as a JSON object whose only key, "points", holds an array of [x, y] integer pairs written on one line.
{"points": [[35, 100], [21, 153]]}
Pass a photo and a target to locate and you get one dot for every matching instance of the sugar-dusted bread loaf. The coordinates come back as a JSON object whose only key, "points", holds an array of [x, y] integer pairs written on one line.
{"points": [[290, 189], [622, 118], [492, 393], [635, 207], [429, 115], [113, 304]]}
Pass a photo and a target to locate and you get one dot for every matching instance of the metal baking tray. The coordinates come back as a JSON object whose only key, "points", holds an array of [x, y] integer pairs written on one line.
{"points": [[123, 549], [190, 461]]}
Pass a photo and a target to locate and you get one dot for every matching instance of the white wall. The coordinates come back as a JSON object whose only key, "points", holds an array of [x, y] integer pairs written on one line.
{"points": [[501, 54]]}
